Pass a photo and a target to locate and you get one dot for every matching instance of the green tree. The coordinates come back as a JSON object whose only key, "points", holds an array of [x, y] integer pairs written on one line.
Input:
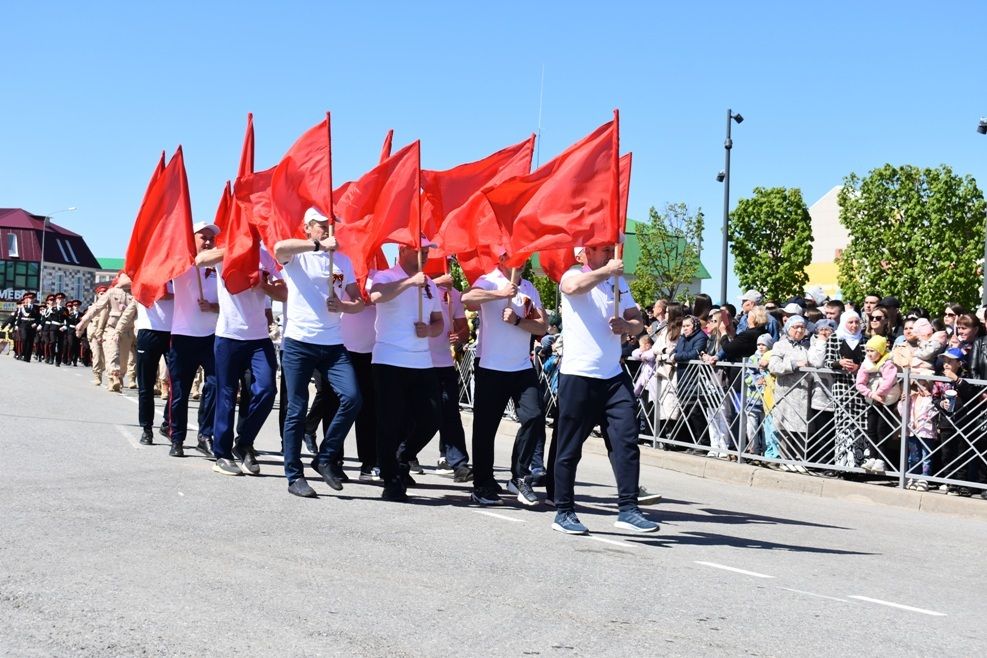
{"points": [[915, 233], [670, 243], [771, 241]]}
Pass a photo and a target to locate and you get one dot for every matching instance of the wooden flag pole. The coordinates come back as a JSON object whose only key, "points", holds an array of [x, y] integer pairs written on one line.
{"points": [[616, 285], [332, 213], [421, 291]]}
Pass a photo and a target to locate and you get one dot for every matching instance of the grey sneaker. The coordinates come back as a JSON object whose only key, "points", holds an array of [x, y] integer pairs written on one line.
{"points": [[645, 497], [301, 488], [485, 498], [226, 466], [463, 473], [568, 523], [522, 488], [632, 519], [372, 475], [415, 467], [248, 462], [442, 467]]}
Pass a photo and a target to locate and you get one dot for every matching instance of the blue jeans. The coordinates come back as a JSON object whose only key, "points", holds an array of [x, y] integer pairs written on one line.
{"points": [[299, 361], [186, 356], [232, 358], [920, 450]]}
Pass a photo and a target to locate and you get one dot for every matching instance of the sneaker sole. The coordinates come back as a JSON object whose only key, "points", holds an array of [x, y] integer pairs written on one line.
{"points": [[559, 528], [651, 499], [624, 525], [486, 503], [247, 471], [223, 471], [524, 501]]}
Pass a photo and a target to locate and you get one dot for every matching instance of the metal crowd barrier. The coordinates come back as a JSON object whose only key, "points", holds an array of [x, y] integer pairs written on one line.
{"points": [[812, 420]]}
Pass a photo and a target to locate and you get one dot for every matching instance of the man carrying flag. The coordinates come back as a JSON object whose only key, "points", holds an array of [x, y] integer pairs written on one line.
{"points": [[312, 339], [193, 334], [405, 383], [510, 313], [594, 389]]}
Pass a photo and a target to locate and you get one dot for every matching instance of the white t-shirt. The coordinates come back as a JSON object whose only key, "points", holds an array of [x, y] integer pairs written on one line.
{"points": [[500, 345], [160, 314], [307, 278], [359, 334], [189, 319], [397, 344], [243, 316], [591, 349], [452, 309]]}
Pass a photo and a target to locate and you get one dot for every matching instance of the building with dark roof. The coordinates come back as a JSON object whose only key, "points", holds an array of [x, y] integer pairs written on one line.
{"points": [[69, 265]]}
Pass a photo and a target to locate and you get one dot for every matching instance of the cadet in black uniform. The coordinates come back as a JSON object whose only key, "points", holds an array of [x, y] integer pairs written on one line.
{"points": [[26, 323]]}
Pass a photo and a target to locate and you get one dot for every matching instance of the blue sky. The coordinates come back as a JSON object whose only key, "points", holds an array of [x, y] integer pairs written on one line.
{"points": [[94, 91]]}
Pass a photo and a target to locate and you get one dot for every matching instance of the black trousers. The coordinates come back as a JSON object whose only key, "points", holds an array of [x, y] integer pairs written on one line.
{"points": [[151, 346], [493, 389], [585, 402], [366, 420], [407, 414]]}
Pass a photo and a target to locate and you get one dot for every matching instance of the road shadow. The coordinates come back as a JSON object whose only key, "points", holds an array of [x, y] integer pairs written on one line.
{"points": [[713, 539]]}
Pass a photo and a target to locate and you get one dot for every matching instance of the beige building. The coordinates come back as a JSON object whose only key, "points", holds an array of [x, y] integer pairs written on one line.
{"points": [[829, 239]]}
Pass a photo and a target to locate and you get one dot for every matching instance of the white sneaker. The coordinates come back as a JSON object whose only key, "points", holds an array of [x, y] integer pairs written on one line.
{"points": [[876, 466], [866, 464], [921, 485], [442, 467], [910, 484]]}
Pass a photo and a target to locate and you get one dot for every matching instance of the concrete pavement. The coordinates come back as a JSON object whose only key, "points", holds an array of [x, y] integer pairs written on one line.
{"points": [[111, 548]]}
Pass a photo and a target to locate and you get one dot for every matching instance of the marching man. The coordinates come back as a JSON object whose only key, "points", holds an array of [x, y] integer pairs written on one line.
{"points": [[594, 389]]}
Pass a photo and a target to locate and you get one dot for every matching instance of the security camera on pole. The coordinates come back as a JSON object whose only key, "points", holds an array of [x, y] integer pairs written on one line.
{"points": [[724, 177]]}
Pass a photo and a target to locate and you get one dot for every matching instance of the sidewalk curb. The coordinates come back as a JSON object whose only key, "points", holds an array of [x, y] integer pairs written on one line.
{"points": [[762, 478]]}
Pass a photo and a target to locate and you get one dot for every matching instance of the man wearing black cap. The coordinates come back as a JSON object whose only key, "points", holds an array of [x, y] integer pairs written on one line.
{"points": [[70, 342], [26, 320], [56, 326]]}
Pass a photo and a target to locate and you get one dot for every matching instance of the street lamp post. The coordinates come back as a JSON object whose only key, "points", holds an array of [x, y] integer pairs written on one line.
{"points": [[982, 129], [44, 234], [724, 177]]}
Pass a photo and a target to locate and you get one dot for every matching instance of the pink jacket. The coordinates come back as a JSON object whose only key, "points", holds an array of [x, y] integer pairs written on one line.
{"points": [[888, 372]]}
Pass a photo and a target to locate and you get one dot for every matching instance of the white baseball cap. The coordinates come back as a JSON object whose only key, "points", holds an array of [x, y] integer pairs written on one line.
{"points": [[205, 226]]}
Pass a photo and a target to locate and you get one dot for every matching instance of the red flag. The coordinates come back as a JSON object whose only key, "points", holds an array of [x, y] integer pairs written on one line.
{"points": [[165, 245], [240, 237], [555, 262], [302, 180], [136, 239], [454, 201], [377, 208], [223, 215], [572, 200], [385, 150]]}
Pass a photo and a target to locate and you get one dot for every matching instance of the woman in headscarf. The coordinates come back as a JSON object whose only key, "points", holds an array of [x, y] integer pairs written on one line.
{"points": [[788, 357], [844, 354]]}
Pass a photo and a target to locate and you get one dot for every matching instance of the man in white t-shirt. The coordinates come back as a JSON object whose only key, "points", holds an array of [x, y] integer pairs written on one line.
{"points": [[405, 383], [242, 344], [153, 326], [594, 389], [312, 340], [452, 437], [359, 337], [193, 330], [510, 313]]}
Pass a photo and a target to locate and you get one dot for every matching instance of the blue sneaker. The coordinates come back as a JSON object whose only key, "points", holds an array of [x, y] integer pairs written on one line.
{"points": [[632, 519], [568, 523]]}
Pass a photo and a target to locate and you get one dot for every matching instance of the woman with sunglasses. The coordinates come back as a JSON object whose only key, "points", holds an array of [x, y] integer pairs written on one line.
{"points": [[949, 316], [878, 323]]}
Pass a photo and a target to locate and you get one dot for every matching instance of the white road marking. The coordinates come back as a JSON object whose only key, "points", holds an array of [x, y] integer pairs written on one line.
{"points": [[821, 596], [733, 569], [923, 611], [180, 493], [499, 516], [129, 436], [615, 542], [129, 399]]}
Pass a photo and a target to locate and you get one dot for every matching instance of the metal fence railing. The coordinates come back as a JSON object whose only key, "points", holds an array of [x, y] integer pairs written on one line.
{"points": [[810, 420]]}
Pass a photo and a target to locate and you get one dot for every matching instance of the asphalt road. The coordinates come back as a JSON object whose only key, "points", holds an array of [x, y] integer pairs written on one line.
{"points": [[111, 548]]}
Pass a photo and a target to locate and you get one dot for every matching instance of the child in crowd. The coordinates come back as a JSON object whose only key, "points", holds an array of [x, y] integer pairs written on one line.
{"points": [[757, 382], [922, 435], [877, 381]]}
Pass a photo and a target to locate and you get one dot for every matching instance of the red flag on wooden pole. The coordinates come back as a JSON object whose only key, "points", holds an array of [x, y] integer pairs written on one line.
{"points": [[165, 246], [567, 202], [136, 239]]}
